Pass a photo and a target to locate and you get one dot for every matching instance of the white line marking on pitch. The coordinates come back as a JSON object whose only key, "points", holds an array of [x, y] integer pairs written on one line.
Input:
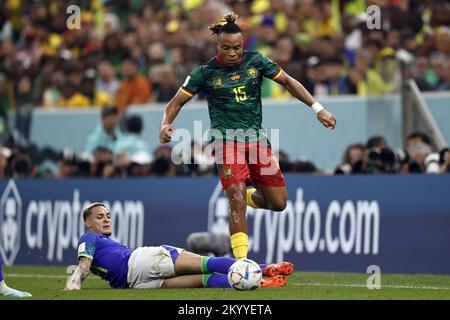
{"points": [[316, 284], [364, 286], [19, 275]]}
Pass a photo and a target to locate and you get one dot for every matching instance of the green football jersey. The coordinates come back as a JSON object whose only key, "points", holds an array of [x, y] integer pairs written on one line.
{"points": [[233, 94]]}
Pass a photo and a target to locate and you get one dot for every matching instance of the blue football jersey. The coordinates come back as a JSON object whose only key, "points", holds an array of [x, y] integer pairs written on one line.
{"points": [[109, 258]]}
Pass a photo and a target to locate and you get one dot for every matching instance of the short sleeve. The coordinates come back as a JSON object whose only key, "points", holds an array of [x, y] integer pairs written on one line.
{"points": [[87, 246], [269, 69], [193, 82]]}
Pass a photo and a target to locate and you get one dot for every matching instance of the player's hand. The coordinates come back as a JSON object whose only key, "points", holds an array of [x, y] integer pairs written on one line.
{"points": [[327, 119], [165, 134], [70, 286]]}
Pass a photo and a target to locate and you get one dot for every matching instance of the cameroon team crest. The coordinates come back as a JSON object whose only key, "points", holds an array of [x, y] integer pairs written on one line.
{"points": [[217, 82], [252, 72], [227, 173]]}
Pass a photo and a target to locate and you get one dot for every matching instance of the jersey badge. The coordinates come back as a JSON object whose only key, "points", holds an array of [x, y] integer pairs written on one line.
{"points": [[227, 173], [252, 72], [217, 82]]}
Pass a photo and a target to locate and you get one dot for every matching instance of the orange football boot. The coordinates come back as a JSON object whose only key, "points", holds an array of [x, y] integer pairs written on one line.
{"points": [[281, 268], [272, 282]]}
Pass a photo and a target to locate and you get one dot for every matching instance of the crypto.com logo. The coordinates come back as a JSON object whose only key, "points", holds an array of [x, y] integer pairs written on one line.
{"points": [[74, 20], [10, 223]]}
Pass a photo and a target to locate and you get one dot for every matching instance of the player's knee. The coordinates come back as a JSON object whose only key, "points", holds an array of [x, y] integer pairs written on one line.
{"points": [[278, 204], [236, 197]]}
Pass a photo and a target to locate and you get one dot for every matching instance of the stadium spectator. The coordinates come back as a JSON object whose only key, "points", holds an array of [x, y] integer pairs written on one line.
{"points": [[134, 88], [42, 63], [420, 157], [198, 161], [155, 58], [364, 80], [152, 267], [423, 75], [24, 94], [379, 156], [440, 63], [52, 93], [131, 140], [140, 164], [132, 154], [102, 164], [305, 166], [375, 157], [72, 165], [33, 34], [5, 153], [105, 134], [72, 97], [106, 79], [445, 160], [353, 160], [162, 165], [165, 83], [67, 165]]}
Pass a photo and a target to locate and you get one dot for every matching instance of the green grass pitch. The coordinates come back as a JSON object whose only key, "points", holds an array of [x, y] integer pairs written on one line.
{"points": [[47, 283]]}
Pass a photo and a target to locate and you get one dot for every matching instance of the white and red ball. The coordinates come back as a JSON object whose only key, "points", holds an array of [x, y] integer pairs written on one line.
{"points": [[244, 274]]}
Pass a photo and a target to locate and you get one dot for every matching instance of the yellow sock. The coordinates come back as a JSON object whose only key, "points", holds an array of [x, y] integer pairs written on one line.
{"points": [[249, 198], [239, 244]]}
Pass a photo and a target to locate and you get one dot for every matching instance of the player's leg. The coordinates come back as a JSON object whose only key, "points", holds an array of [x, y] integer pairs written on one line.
{"points": [[183, 281], [214, 271], [191, 263], [7, 291], [267, 197], [195, 271], [197, 281], [1, 271], [233, 170], [236, 195], [269, 190]]}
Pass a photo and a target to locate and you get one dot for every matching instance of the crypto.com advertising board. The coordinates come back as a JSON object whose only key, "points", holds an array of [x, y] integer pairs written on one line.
{"points": [[399, 223]]}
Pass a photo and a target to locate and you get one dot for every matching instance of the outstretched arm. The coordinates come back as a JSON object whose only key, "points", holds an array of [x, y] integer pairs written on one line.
{"points": [[79, 275], [297, 90], [170, 113]]}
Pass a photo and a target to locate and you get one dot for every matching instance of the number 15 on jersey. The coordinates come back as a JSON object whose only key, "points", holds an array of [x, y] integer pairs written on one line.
{"points": [[240, 94]]}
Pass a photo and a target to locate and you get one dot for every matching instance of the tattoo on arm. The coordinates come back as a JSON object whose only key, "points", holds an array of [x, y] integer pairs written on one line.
{"points": [[81, 272]]}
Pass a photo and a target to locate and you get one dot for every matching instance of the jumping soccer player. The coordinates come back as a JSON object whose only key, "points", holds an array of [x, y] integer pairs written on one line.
{"points": [[6, 291], [231, 82], [152, 267]]}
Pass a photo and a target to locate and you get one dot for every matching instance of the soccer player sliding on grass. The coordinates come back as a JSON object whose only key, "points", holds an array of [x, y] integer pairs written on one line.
{"points": [[231, 82], [152, 267], [6, 291]]}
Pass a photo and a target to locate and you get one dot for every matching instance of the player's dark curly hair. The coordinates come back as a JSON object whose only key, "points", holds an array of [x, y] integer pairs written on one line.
{"points": [[227, 24]]}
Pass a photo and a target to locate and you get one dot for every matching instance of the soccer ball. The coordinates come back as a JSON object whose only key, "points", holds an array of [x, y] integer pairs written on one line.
{"points": [[244, 275]]}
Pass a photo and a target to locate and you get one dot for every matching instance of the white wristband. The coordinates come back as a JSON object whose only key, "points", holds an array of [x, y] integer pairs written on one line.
{"points": [[317, 107]]}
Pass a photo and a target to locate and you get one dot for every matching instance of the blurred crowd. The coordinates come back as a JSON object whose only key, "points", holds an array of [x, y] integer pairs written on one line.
{"points": [[115, 148], [129, 52], [377, 157], [136, 51]]}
